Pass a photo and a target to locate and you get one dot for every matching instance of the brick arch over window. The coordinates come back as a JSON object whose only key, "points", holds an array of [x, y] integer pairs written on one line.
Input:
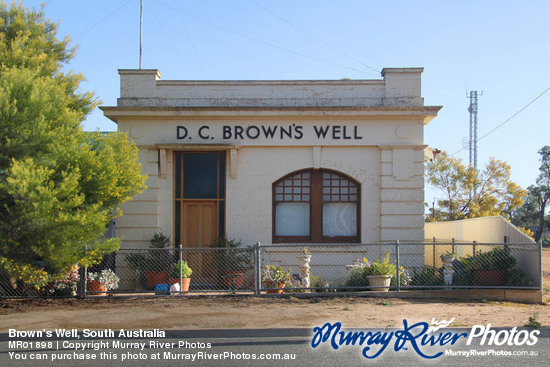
{"points": [[316, 206]]}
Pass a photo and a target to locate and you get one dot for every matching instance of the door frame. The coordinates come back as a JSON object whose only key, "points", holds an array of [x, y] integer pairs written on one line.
{"points": [[221, 170]]}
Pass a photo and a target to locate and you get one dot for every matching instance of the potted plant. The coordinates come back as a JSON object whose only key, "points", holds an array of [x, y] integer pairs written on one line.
{"points": [[159, 260], [181, 267], [304, 256], [65, 287], [489, 268], [356, 277], [316, 282], [232, 261], [100, 283], [379, 273], [320, 285], [273, 277], [138, 262]]}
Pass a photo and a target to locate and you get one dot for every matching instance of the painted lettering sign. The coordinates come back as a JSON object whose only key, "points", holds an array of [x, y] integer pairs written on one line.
{"points": [[279, 132]]}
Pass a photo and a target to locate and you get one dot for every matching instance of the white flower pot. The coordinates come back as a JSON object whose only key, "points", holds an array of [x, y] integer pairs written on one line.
{"points": [[379, 283], [448, 258]]}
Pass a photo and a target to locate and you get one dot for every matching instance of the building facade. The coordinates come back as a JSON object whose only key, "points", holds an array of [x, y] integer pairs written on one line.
{"points": [[313, 162]]}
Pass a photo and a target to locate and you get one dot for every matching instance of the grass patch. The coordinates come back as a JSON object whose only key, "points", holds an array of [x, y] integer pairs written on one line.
{"points": [[533, 322]]}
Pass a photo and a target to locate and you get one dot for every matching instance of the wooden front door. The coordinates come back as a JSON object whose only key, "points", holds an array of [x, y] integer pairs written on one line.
{"points": [[199, 229], [199, 210], [200, 223]]}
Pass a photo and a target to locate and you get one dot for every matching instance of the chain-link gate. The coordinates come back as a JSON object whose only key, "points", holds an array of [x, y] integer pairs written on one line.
{"points": [[207, 270]]}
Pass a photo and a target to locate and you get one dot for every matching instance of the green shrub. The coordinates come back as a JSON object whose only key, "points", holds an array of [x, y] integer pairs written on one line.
{"points": [[357, 278], [275, 277], [315, 281], [159, 259], [404, 278], [427, 277], [185, 270], [380, 267], [497, 258], [517, 278], [235, 258]]}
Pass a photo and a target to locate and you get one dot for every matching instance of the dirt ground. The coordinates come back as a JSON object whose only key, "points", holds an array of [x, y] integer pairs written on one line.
{"points": [[252, 312]]}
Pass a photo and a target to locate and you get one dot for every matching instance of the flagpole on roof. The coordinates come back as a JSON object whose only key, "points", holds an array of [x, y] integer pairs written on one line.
{"points": [[140, 31]]}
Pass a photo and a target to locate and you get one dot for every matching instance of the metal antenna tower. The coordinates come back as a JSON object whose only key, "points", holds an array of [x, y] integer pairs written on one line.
{"points": [[473, 127]]}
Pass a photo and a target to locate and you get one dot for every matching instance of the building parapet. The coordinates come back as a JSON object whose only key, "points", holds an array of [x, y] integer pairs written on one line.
{"points": [[400, 87]]}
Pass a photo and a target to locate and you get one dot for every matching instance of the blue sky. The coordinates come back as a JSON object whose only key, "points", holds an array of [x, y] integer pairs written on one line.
{"points": [[498, 47]]}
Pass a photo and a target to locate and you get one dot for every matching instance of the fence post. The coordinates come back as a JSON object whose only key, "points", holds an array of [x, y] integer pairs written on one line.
{"points": [[453, 245], [540, 264], [181, 275], [397, 260], [474, 248], [433, 251], [83, 276], [81, 290], [257, 268]]}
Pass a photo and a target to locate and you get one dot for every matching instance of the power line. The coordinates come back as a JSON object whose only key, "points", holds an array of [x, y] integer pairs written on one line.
{"points": [[260, 41], [517, 113], [314, 37], [168, 36], [508, 119], [190, 39], [102, 20]]}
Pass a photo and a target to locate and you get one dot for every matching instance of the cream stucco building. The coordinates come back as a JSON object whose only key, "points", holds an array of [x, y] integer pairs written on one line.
{"points": [[318, 161]]}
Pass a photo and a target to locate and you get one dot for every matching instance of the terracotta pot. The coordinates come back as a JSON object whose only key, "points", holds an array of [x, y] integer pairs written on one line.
{"points": [[239, 277], [184, 286], [272, 285], [493, 277], [156, 277], [379, 283], [96, 288]]}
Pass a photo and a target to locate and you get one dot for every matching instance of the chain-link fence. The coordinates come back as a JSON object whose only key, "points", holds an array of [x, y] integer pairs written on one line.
{"points": [[287, 268], [359, 267], [209, 269], [14, 286]]}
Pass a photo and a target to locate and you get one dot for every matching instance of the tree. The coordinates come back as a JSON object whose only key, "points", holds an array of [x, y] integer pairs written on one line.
{"points": [[542, 188], [469, 194], [59, 186], [527, 214], [533, 211], [451, 177]]}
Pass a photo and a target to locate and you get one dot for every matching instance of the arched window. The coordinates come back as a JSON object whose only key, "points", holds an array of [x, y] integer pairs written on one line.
{"points": [[316, 206]]}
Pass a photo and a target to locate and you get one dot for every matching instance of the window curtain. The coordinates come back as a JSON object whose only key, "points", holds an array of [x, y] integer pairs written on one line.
{"points": [[292, 219], [339, 219]]}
